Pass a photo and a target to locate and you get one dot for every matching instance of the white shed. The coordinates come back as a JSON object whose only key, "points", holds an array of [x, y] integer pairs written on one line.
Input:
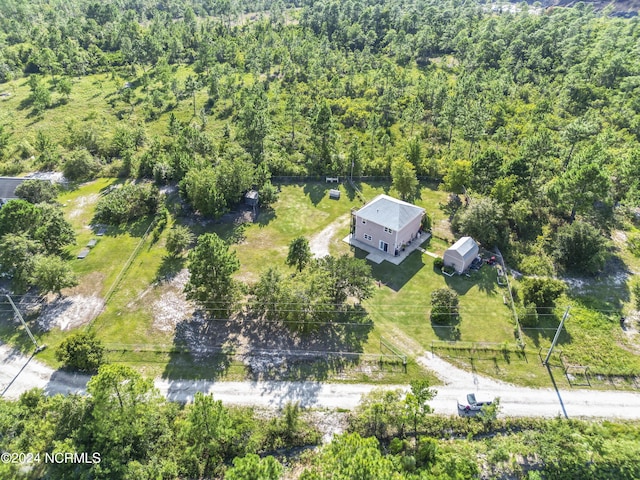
{"points": [[461, 254]]}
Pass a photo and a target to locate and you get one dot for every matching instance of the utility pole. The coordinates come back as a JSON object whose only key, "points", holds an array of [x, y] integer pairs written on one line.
{"points": [[555, 339], [39, 348]]}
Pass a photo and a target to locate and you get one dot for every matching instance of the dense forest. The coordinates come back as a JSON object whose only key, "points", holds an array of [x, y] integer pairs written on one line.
{"points": [[126, 430], [533, 115]]}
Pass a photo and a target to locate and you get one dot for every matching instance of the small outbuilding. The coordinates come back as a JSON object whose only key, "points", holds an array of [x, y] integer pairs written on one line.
{"points": [[461, 254], [334, 194], [251, 198]]}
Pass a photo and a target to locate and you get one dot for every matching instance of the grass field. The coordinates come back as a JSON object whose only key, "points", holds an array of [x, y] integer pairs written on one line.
{"points": [[150, 293]]}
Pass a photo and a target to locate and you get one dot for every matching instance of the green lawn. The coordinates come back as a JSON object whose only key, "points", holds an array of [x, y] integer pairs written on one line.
{"points": [[399, 307]]}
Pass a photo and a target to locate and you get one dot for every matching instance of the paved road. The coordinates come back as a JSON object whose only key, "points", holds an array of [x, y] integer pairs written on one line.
{"points": [[19, 373]]}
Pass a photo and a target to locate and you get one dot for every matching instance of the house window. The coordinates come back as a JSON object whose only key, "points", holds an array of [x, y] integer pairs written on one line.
{"points": [[388, 230], [367, 237]]}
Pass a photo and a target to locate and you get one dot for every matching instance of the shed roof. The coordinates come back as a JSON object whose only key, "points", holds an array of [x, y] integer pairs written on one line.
{"points": [[389, 212], [8, 186], [466, 246]]}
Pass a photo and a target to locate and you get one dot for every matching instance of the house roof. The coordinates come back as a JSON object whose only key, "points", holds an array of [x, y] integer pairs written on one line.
{"points": [[466, 246], [8, 186], [389, 212]]}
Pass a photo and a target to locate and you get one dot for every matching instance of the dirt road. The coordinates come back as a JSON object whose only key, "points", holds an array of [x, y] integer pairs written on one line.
{"points": [[319, 243], [19, 373]]}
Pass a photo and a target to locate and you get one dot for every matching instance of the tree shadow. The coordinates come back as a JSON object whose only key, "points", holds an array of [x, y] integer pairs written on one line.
{"points": [[201, 349], [449, 331], [350, 191], [608, 290], [67, 382], [135, 228], [546, 329], [170, 267], [394, 276], [275, 352], [316, 191], [265, 216], [485, 279]]}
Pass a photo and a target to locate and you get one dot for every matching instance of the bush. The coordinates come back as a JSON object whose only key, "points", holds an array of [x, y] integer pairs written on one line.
{"points": [[633, 243], [444, 305], [37, 191], [81, 166], [528, 315], [541, 292], [127, 203], [81, 351], [635, 288], [438, 263], [178, 239], [580, 248]]}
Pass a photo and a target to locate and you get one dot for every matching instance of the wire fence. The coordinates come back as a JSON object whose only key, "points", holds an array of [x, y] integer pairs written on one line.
{"points": [[264, 360]]}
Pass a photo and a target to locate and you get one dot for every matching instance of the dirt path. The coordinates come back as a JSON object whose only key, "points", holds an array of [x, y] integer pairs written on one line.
{"points": [[319, 243], [20, 373]]}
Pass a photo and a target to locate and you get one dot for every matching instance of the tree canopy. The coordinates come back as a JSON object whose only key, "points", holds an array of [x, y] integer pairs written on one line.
{"points": [[211, 266]]}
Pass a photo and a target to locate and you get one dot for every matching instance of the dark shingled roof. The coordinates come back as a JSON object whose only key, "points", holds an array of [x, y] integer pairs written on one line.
{"points": [[8, 187]]}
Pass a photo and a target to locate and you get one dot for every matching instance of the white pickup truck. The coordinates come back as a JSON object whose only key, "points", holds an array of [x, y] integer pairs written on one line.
{"points": [[471, 407]]}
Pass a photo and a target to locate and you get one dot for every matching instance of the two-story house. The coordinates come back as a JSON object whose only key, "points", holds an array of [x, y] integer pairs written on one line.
{"points": [[387, 223]]}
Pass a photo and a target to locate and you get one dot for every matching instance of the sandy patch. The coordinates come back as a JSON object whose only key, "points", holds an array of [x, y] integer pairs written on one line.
{"points": [[67, 313], [319, 243], [631, 331], [81, 203], [619, 237], [180, 280], [172, 307], [88, 284], [169, 310]]}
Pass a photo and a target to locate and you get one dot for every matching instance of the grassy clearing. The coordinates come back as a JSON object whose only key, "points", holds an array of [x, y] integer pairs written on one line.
{"points": [[94, 102], [399, 306]]}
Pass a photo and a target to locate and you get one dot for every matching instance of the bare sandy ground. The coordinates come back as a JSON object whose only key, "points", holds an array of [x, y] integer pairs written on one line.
{"points": [[319, 243]]}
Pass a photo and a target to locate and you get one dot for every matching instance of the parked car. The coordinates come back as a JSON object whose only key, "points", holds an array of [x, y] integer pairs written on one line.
{"points": [[471, 407]]}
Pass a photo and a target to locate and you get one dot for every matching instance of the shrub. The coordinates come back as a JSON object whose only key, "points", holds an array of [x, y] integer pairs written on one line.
{"points": [[426, 451], [425, 223], [528, 315], [537, 265], [580, 247], [81, 351], [127, 203], [81, 166], [438, 263], [178, 240], [37, 191], [444, 305], [541, 292], [636, 294], [633, 243]]}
